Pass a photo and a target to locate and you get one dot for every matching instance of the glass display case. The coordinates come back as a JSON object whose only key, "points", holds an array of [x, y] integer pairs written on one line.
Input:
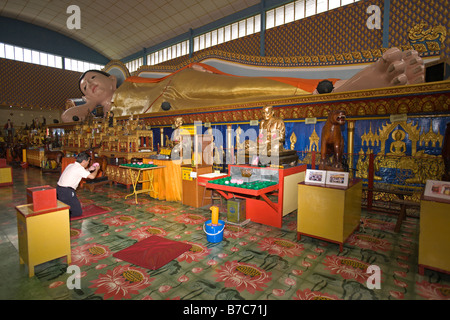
{"points": [[253, 174], [270, 193]]}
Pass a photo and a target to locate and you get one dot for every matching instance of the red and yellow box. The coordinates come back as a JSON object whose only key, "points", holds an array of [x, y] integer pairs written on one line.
{"points": [[42, 198]]}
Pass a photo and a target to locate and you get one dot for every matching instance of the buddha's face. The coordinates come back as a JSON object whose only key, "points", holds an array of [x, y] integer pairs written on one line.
{"points": [[98, 87]]}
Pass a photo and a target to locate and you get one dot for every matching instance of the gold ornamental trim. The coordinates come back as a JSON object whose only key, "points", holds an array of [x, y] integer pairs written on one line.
{"points": [[411, 99]]}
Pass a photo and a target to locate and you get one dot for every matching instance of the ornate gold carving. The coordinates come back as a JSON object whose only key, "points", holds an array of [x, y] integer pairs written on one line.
{"points": [[432, 137], [362, 165], [413, 134], [293, 140], [423, 39], [370, 138], [314, 141], [398, 146], [408, 169]]}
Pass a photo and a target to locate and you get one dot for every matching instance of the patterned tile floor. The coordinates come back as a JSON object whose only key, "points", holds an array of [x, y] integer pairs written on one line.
{"points": [[253, 262]]}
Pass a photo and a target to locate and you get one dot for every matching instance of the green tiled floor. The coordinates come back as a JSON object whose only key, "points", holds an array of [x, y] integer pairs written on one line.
{"points": [[253, 262]]}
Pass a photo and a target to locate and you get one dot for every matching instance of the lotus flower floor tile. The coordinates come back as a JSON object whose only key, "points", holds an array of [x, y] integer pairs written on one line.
{"points": [[252, 262]]}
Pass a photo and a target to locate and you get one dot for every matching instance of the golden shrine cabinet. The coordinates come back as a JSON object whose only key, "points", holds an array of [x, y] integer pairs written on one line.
{"points": [[327, 212], [35, 157], [434, 237], [118, 175]]}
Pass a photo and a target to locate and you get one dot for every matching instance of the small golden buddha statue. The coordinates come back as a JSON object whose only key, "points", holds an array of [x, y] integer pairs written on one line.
{"points": [[398, 146]]}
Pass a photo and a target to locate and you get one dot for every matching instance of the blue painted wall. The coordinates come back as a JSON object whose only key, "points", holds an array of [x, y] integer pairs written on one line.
{"points": [[26, 35]]}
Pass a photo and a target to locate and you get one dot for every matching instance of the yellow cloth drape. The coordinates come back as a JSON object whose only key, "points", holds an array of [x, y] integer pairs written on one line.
{"points": [[166, 181]]}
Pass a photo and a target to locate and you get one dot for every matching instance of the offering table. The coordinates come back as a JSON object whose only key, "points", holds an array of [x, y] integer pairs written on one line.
{"points": [[136, 173]]}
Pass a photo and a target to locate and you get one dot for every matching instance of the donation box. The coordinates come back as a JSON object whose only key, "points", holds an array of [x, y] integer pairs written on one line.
{"points": [[42, 198]]}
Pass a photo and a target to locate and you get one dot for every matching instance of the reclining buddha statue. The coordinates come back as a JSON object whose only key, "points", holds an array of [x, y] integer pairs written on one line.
{"points": [[198, 85]]}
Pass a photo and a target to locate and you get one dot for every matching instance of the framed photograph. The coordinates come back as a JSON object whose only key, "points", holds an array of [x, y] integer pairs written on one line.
{"points": [[437, 189], [337, 178], [315, 176]]}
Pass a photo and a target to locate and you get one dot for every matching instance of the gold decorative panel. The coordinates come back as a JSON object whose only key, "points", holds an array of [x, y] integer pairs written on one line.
{"points": [[408, 14]]}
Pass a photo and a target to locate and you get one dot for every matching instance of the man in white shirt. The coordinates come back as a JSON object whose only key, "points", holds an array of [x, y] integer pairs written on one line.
{"points": [[70, 179]]}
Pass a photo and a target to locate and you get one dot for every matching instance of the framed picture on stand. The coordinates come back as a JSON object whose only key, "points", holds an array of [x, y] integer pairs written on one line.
{"points": [[437, 189], [315, 176], [337, 178]]}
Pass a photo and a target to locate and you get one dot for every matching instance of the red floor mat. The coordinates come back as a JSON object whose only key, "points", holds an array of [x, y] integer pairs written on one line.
{"points": [[153, 252], [90, 210]]}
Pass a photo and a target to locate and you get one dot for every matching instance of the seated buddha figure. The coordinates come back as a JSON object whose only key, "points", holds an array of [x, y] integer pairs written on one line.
{"points": [[398, 146]]}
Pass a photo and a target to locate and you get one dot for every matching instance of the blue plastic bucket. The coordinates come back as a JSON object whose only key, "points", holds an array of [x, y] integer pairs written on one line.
{"points": [[214, 233]]}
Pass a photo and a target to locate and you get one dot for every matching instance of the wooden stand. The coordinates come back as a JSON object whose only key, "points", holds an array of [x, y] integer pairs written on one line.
{"points": [[192, 191], [43, 235], [201, 163], [402, 215], [329, 213], [434, 237], [167, 181]]}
